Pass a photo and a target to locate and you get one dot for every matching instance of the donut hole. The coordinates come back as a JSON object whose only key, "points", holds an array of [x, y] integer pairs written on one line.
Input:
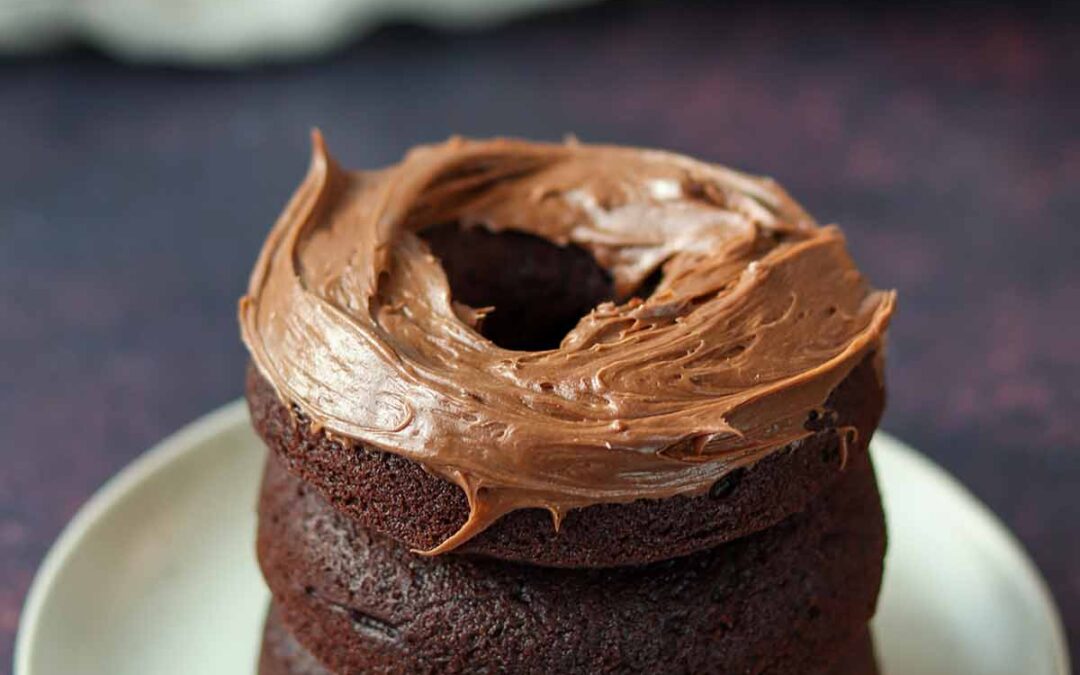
{"points": [[539, 290]]}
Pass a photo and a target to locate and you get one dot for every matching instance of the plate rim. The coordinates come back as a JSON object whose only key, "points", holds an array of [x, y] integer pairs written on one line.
{"points": [[997, 535], [175, 446], [112, 492]]}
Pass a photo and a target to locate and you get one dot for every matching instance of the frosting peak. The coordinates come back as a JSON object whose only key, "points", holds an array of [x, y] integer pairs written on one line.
{"points": [[758, 315]]}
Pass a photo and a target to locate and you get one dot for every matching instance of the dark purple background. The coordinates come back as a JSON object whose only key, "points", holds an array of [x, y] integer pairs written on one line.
{"points": [[133, 201]]}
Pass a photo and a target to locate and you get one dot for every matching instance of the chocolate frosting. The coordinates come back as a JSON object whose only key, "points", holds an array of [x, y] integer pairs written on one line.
{"points": [[758, 315]]}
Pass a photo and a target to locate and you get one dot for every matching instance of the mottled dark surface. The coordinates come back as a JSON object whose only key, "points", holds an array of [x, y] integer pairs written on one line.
{"points": [[132, 203]]}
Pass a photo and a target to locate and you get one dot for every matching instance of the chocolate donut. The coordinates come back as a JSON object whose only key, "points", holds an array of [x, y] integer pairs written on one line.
{"points": [[792, 599], [281, 654], [724, 383]]}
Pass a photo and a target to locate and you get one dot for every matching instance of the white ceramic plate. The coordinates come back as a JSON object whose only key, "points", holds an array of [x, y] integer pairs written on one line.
{"points": [[156, 574]]}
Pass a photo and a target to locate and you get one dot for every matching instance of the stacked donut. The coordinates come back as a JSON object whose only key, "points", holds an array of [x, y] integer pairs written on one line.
{"points": [[563, 408]]}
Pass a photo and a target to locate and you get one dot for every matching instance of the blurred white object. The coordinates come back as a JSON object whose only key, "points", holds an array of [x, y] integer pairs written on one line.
{"points": [[232, 32]]}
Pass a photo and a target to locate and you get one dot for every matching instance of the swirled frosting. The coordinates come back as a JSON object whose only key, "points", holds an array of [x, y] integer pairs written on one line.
{"points": [[758, 315]]}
